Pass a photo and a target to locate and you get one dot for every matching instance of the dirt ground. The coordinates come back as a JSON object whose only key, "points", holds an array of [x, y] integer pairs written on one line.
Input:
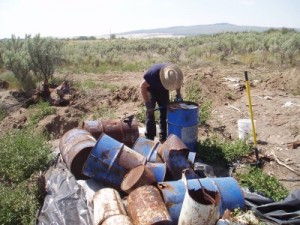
{"points": [[275, 109]]}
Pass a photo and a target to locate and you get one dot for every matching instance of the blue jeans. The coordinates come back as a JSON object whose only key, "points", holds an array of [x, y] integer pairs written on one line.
{"points": [[162, 100]]}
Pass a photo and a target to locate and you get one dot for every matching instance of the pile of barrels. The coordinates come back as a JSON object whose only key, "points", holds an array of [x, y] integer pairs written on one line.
{"points": [[145, 182]]}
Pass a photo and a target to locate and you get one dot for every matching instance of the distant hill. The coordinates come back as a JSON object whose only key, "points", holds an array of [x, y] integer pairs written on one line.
{"points": [[184, 31]]}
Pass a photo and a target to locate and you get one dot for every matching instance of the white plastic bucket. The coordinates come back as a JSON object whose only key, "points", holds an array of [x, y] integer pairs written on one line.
{"points": [[245, 128]]}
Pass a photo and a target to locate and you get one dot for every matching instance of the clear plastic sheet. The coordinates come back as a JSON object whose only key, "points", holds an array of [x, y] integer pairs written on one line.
{"points": [[65, 202]]}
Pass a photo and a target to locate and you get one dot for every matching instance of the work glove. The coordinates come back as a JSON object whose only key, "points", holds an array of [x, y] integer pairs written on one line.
{"points": [[178, 98], [149, 108]]}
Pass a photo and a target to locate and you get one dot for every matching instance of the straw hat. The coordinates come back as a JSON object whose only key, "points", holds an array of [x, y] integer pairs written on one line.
{"points": [[171, 77]]}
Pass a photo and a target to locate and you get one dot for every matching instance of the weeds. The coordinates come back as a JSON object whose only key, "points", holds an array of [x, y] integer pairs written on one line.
{"points": [[205, 111], [109, 86], [193, 92], [19, 203], [22, 154], [214, 150], [141, 114], [104, 112], [39, 111], [262, 183], [87, 85]]}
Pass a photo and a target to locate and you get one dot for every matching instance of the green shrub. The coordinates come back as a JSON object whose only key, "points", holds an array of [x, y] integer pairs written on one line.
{"points": [[19, 203], [9, 76], [214, 149], [262, 183], [22, 153]]}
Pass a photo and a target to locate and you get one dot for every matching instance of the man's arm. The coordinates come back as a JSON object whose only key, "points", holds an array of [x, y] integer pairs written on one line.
{"points": [[178, 97], [143, 86]]}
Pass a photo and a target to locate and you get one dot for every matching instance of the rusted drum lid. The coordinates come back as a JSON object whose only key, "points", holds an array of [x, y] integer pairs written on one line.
{"points": [[137, 177]]}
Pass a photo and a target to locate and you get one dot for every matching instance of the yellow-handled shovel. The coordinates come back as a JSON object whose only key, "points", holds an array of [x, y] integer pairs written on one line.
{"points": [[258, 162]]}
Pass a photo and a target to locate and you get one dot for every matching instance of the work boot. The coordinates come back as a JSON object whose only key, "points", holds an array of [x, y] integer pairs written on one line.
{"points": [[162, 138], [150, 138]]}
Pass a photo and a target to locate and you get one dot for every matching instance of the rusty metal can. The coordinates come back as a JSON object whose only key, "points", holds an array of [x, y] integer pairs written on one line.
{"points": [[117, 220], [146, 207], [75, 147], [125, 130], [137, 177], [107, 202], [175, 154]]}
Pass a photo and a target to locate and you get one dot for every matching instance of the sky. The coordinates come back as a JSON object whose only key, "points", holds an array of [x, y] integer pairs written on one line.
{"points": [[71, 18]]}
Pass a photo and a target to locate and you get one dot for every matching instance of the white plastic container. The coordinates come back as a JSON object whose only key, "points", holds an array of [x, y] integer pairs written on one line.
{"points": [[245, 128]]}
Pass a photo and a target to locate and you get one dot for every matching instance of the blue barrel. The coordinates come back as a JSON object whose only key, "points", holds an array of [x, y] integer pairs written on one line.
{"points": [[158, 169], [183, 120], [147, 148], [231, 194], [110, 160]]}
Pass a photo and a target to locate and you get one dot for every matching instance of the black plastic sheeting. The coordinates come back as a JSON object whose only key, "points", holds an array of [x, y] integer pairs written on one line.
{"points": [[286, 211], [65, 201]]}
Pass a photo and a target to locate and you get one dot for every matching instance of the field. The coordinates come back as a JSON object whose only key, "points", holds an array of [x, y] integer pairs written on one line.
{"points": [[105, 75], [275, 110]]}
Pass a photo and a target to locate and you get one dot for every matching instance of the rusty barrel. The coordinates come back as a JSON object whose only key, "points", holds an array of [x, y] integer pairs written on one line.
{"points": [[125, 131], [75, 146], [137, 177], [117, 219], [147, 148], [107, 202], [173, 193], [183, 120], [146, 207], [175, 154], [110, 160]]}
